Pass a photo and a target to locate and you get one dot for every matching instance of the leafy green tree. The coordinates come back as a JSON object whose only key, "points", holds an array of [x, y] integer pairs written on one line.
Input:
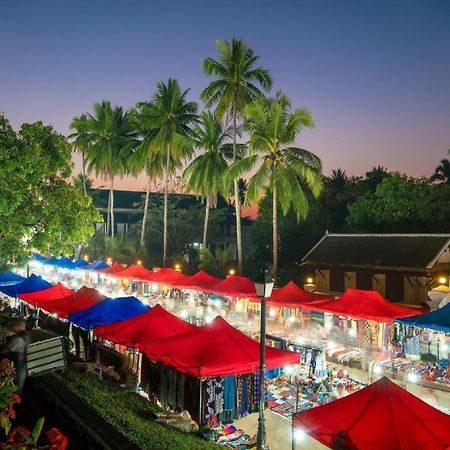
{"points": [[286, 170], [237, 82], [111, 139], [39, 209], [167, 122], [375, 176], [205, 174], [402, 204]]}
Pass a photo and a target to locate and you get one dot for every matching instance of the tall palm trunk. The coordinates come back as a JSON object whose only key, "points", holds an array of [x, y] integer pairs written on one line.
{"points": [[275, 232], [83, 170], [111, 193], [108, 217], [237, 201], [144, 218], [205, 226], [166, 202]]}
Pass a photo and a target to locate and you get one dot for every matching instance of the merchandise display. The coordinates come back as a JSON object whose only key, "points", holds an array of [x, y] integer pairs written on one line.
{"points": [[288, 394]]}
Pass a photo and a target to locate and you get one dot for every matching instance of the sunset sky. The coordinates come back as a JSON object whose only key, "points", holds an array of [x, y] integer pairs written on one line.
{"points": [[374, 74]]}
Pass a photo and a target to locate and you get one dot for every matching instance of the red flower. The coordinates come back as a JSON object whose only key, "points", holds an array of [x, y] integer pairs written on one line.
{"points": [[58, 440], [15, 398], [16, 437]]}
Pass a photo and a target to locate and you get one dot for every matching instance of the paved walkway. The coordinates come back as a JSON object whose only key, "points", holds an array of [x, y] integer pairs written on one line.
{"points": [[278, 432]]}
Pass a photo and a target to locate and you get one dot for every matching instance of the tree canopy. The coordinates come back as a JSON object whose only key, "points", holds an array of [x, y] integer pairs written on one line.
{"points": [[39, 209]]}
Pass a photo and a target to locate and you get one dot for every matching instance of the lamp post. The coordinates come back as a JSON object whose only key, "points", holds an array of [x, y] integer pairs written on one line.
{"points": [[264, 290]]}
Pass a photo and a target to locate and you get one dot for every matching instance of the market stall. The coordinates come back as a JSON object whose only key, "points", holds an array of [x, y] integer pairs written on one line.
{"points": [[54, 292], [380, 416], [8, 278], [157, 323], [108, 311]]}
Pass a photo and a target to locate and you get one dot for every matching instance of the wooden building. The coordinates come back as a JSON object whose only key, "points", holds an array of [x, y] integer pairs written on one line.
{"points": [[402, 267]]}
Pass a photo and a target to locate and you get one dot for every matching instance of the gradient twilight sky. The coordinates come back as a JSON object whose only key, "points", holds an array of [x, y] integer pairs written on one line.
{"points": [[375, 74]]}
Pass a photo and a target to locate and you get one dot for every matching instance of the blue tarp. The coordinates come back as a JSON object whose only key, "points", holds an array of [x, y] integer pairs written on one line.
{"points": [[80, 264], [109, 311], [99, 264], [30, 284], [9, 277], [438, 320]]}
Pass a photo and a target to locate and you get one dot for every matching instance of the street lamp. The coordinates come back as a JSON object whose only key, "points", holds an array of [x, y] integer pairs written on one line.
{"points": [[263, 288]]}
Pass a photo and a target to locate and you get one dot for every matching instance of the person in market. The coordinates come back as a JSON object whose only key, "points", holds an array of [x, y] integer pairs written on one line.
{"points": [[15, 349]]}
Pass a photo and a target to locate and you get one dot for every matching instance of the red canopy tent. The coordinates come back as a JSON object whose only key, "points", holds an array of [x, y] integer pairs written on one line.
{"points": [[215, 350], [379, 417], [234, 286], [134, 272], [201, 280], [154, 324], [293, 296], [369, 305], [115, 268], [54, 292], [167, 276], [82, 299]]}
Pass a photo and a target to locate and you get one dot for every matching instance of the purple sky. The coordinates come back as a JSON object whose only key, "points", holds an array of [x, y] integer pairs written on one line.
{"points": [[375, 74]]}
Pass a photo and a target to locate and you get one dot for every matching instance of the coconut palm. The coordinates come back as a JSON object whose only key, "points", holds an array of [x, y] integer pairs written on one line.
{"points": [[166, 123], [111, 139], [80, 141], [285, 170], [204, 175], [237, 82], [442, 172]]}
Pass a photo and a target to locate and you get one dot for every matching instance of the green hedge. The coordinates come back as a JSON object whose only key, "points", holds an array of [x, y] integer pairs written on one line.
{"points": [[130, 414]]}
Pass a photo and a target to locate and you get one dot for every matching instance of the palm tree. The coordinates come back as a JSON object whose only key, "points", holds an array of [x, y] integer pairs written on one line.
{"points": [[236, 84], [287, 171], [83, 183], [338, 179], [166, 123], [442, 172], [204, 175], [218, 263], [111, 139], [80, 141]]}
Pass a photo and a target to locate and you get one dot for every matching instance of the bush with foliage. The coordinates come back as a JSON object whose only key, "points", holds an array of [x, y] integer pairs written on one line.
{"points": [[20, 437]]}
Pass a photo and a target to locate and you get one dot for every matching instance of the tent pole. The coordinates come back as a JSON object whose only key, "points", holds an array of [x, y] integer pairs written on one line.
{"points": [[200, 403]]}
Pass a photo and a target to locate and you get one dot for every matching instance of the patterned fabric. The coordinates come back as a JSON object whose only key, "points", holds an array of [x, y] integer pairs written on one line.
{"points": [[244, 408], [256, 390], [214, 393], [367, 333], [360, 331]]}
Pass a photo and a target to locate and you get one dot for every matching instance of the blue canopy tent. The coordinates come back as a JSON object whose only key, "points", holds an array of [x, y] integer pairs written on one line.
{"points": [[99, 264], [64, 263], [438, 320], [30, 284], [52, 261], [39, 257], [80, 264], [109, 311], [8, 278]]}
